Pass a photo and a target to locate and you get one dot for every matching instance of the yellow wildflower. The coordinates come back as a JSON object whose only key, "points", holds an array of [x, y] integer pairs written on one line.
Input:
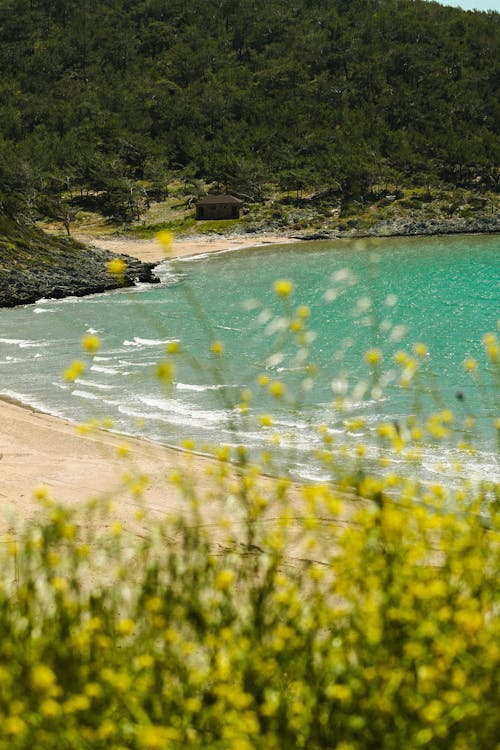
{"points": [[74, 370], [42, 678], [283, 287], [165, 371], [166, 240], [117, 268], [50, 708], [420, 349], [13, 726], [224, 579], [373, 357], [217, 347], [276, 389], [91, 343], [470, 365], [173, 347]]}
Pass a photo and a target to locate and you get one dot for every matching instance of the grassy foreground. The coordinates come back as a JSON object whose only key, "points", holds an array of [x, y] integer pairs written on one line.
{"points": [[299, 618], [317, 623]]}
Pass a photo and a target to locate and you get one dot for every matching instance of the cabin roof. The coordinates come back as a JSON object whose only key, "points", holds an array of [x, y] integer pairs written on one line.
{"points": [[211, 200]]}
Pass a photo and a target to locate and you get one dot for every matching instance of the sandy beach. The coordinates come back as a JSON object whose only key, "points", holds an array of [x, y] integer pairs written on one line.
{"points": [[151, 250], [38, 450]]}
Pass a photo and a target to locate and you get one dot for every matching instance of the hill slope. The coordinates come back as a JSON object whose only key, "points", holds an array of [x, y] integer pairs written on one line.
{"points": [[34, 265], [104, 100]]}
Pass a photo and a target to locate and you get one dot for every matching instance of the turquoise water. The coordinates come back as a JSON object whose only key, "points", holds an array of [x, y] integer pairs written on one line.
{"points": [[386, 294]]}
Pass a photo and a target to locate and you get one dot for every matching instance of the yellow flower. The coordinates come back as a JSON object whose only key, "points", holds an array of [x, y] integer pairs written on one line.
{"points": [[153, 737], [173, 347], [224, 579], [420, 349], [266, 420], [117, 268], [125, 627], [373, 357], [166, 239], [91, 343], [489, 339], [493, 353], [470, 365], [74, 370], [217, 347], [14, 726], [165, 371], [277, 389], [123, 450], [42, 678], [283, 287], [402, 358], [50, 708]]}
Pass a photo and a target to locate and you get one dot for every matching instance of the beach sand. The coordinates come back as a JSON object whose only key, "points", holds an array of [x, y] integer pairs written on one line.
{"points": [[152, 251], [38, 450]]}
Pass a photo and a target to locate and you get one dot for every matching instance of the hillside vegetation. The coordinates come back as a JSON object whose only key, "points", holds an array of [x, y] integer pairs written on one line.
{"points": [[106, 102]]}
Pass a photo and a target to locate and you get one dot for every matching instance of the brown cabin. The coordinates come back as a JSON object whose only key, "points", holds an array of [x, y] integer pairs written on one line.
{"points": [[219, 207]]}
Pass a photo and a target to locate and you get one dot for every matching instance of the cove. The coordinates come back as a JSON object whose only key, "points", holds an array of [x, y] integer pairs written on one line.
{"points": [[385, 294]]}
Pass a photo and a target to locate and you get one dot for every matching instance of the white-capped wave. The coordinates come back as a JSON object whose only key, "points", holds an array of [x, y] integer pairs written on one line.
{"points": [[93, 384], [86, 394], [201, 388], [11, 360], [134, 364], [106, 370], [24, 343], [139, 341]]}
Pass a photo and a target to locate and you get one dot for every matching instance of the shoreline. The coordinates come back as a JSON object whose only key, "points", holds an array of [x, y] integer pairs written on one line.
{"points": [[150, 251], [74, 465], [38, 449]]}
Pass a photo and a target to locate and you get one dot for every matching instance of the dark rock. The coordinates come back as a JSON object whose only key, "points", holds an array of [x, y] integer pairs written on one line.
{"points": [[77, 272]]}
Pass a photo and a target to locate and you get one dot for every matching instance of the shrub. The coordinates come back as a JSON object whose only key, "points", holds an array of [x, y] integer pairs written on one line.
{"points": [[301, 619]]}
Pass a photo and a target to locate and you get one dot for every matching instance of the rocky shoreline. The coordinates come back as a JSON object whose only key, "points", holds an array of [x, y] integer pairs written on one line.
{"points": [[409, 228], [73, 271]]}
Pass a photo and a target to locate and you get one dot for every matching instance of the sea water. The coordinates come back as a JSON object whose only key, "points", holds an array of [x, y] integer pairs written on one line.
{"points": [[385, 294]]}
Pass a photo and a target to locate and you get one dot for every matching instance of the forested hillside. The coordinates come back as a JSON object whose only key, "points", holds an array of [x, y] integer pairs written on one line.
{"points": [[104, 99]]}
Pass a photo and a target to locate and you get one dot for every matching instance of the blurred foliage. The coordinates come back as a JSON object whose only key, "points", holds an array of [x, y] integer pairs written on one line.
{"points": [[298, 618]]}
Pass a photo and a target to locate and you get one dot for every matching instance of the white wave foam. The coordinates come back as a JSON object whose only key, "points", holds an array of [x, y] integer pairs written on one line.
{"points": [[86, 394], [201, 388], [139, 341], [199, 420], [106, 370], [94, 384], [11, 360], [22, 398], [24, 343], [134, 364]]}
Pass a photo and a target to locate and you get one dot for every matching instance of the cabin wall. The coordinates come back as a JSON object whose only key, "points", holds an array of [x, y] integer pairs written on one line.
{"points": [[218, 211]]}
